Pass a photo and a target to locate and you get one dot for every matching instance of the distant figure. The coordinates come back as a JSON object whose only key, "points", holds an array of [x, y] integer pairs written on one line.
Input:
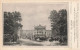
{"points": [[60, 41], [50, 39]]}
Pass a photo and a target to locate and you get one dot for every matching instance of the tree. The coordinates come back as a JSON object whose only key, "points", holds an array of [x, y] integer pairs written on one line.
{"points": [[59, 22], [63, 22], [11, 25], [54, 19]]}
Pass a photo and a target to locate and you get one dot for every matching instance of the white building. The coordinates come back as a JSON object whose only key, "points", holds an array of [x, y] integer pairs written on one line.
{"points": [[39, 31]]}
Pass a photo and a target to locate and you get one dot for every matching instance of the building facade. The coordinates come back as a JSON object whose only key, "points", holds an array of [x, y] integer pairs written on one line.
{"points": [[38, 32]]}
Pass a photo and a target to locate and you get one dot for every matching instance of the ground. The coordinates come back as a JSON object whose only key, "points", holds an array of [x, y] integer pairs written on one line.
{"points": [[28, 42]]}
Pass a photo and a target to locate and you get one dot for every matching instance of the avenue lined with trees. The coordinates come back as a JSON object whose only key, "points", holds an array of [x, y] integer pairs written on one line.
{"points": [[58, 19]]}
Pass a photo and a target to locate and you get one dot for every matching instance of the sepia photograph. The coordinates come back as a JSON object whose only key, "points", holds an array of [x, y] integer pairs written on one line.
{"points": [[35, 24]]}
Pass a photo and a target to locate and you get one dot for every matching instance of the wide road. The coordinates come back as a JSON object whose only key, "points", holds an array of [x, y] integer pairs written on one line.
{"points": [[28, 42]]}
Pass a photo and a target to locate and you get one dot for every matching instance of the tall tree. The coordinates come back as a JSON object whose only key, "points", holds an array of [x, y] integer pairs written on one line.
{"points": [[11, 25], [54, 19], [63, 22], [58, 22]]}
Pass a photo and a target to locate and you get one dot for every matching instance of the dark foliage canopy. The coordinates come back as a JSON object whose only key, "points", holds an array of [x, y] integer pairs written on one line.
{"points": [[11, 24], [59, 22]]}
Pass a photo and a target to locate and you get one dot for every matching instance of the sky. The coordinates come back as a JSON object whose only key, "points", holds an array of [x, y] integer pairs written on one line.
{"points": [[33, 14]]}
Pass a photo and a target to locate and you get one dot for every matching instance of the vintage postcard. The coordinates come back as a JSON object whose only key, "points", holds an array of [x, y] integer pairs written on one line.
{"points": [[40, 24]]}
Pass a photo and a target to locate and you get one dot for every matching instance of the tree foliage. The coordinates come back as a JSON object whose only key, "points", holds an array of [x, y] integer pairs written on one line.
{"points": [[59, 22], [11, 25]]}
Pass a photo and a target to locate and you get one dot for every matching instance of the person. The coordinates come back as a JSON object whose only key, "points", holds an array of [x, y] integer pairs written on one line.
{"points": [[51, 39]]}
